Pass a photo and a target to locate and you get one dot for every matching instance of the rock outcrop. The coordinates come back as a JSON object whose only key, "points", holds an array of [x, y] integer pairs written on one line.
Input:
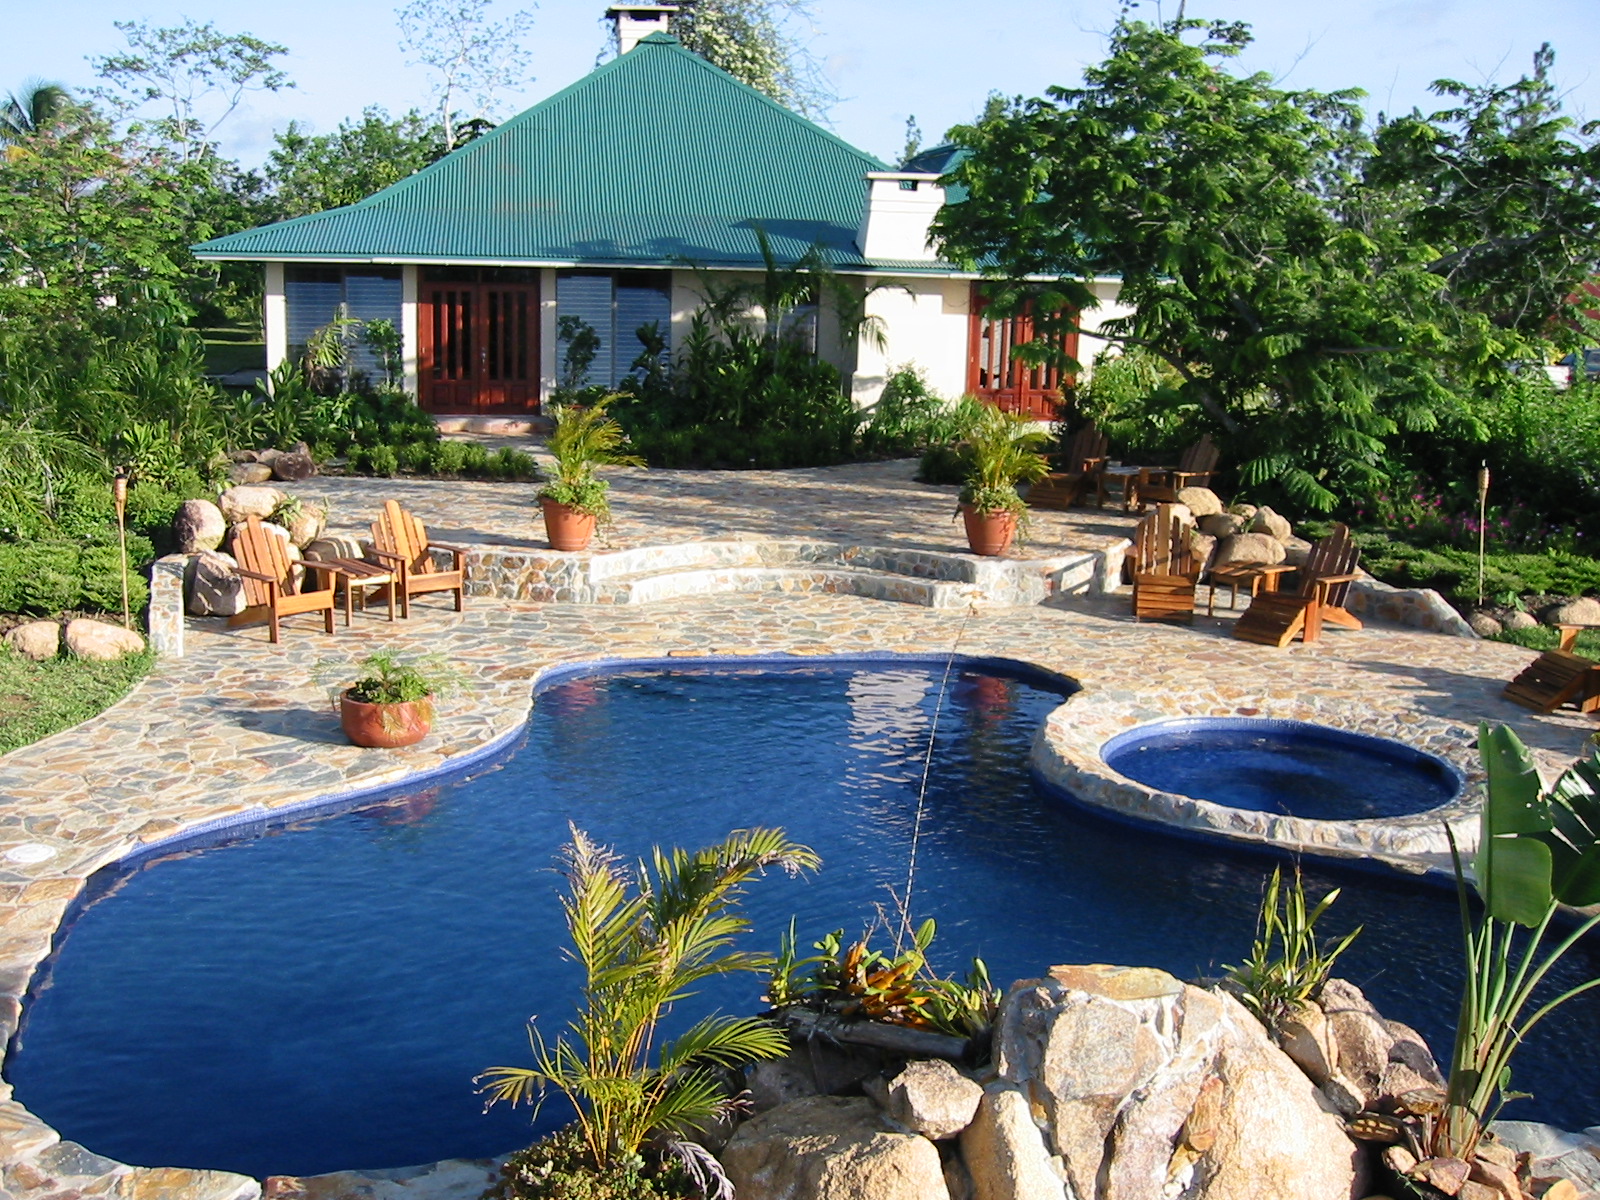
{"points": [[927, 1096], [240, 503], [38, 640], [831, 1148], [101, 641], [213, 586], [1585, 610], [1202, 502], [1270, 523], [198, 525], [1249, 548]]}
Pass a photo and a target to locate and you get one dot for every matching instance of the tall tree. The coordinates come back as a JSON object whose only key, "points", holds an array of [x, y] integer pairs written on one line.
{"points": [[197, 74], [35, 108], [474, 60], [756, 42], [1269, 255], [308, 174]]}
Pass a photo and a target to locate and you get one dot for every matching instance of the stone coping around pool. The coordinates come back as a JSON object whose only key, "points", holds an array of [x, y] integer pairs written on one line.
{"points": [[1069, 757], [237, 729]]}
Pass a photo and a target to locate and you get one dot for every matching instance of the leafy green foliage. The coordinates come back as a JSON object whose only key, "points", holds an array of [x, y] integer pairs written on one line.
{"points": [[46, 697], [1319, 305], [559, 1168], [1537, 850], [1287, 964], [585, 439], [388, 678], [856, 982], [909, 416], [1004, 450], [309, 173], [644, 939], [1454, 571], [753, 42], [1542, 637], [1137, 401]]}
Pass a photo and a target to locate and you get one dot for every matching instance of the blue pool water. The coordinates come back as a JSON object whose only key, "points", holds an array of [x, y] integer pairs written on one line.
{"points": [[319, 997], [1284, 767]]}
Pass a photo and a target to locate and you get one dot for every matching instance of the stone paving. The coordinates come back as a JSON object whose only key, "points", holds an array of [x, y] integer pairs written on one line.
{"points": [[237, 727]]}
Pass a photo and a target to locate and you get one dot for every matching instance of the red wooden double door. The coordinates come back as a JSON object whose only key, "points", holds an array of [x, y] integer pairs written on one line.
{"points": [[479, 343], [1011, 385]]}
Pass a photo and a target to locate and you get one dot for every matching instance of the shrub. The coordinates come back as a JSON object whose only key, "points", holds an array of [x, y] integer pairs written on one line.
{"points": [[382, 460], [511, 463], [416, 457], [448, 457], [558, 1168], [474, 460], [48, 577]]}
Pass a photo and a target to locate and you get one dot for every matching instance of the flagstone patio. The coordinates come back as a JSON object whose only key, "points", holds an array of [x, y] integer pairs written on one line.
{"points": [[237, 729]]}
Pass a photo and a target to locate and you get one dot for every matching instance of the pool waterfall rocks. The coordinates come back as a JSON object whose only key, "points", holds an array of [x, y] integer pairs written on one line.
{"points": [[1067, 755]]}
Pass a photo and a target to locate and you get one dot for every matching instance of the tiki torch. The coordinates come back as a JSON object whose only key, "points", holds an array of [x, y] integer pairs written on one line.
{"points": [[119, 493], [1483, 524]]}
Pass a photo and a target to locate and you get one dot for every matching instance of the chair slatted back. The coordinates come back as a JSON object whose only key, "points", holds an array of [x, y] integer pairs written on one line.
{"points": [[398, 532], [1087, 446], [266, 554], [1162, 545], [1200, 458], [1335, 554]]}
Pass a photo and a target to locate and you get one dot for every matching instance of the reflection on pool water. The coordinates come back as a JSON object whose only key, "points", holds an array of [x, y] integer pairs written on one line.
{"points": [[320, 997], [1289, 767]]}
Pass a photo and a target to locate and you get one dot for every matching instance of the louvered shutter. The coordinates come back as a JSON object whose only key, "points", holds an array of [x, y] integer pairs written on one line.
{"points": [[587, 296], [643, 298]]}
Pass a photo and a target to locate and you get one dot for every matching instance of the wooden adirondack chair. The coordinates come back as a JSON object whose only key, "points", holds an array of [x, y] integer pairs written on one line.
{"points": [[1555, 678], [401, 539], [1084, 456], [1165, 570], [1195, 468], [1274, 618], [270, 590]]}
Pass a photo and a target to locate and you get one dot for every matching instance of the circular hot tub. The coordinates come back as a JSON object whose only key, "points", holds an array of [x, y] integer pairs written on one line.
{"points": [[1289, 767]]}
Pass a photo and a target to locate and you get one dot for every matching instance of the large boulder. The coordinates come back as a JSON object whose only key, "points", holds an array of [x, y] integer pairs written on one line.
{"points": [[831, 1148], [290, 465], [1270, 523], [1247, 511], [1222, 524], [334, 546], [101, 641], [247, 474], [213, 586], [38, 640], [1483, 624], [1148, 1086], [1296, 550], [240, 503], [1202, 502], [927, 1096], [198, 525], [1517, 619], [1005, 1155], [307, 525], [1249, 548], [1585, 610]]}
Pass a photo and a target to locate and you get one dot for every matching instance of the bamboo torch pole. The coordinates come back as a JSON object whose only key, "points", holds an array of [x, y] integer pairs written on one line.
{"points": [[1483, 524], [119, 493]]}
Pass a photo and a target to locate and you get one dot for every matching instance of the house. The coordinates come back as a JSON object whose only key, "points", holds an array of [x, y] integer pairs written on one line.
{"points": [[614, 201]]}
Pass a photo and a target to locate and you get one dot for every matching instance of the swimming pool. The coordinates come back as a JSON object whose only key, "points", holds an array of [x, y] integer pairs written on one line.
{"points": [[319, 996]]}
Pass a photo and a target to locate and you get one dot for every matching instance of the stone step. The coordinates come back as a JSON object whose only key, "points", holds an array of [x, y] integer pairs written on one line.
{"points": [[826, 579]]}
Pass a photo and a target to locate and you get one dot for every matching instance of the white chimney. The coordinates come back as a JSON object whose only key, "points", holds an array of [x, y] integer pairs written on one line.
{"points": [[901, 206], [635, 22]]}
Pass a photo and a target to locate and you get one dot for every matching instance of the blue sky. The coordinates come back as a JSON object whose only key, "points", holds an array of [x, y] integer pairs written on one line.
{"points": [[935, 59]]}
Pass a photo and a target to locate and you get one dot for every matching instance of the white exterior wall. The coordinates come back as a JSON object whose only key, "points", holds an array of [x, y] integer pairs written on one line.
{"points": [[410, 331], [549, 342], [1110, 308], [900, 208], [925, 321], [275, 318]]}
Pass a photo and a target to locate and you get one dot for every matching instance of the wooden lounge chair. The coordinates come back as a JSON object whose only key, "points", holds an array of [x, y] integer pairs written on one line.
{"points": [[1195, 468], [400, 539], [1555, 678], [1084, 456], [270, 590], [1165, 571], [1274, 618]]}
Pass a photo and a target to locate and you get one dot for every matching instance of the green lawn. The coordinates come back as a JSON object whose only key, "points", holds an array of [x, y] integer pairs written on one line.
{"points": [[41, 698], [1545, 638]]}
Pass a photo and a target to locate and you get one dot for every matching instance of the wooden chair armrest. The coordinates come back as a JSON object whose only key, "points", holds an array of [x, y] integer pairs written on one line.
{"points": [[447, 546], [258, 575], [1330, 579], [390, 554]]}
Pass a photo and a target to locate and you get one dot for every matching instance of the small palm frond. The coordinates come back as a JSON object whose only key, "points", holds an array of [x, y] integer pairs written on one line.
{"points": [[725, 1041]]}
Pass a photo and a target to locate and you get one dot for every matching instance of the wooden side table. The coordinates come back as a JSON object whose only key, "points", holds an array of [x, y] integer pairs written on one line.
{"points": [[1260, 577], [357, 576]]}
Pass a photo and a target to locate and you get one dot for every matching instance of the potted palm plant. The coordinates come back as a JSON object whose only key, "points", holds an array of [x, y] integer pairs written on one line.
{"points": [[389, 701], [1004, 450], [574, 501]]}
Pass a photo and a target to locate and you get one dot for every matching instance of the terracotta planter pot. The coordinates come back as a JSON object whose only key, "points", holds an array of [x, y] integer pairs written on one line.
{"points": [[566, 527], [385, 726], [989, 533]]}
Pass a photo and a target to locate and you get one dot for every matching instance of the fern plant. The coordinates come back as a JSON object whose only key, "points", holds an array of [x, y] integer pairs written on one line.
{"points": [[1004, 450], [645, 937], [584, 439]]}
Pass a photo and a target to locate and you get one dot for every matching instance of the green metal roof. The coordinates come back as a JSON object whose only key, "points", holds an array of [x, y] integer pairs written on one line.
{"points": [[658, 157]]}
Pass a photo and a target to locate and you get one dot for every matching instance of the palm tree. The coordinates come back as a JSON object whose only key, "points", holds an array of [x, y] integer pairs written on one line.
{"points": [[32, 110], [645, 937]]}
